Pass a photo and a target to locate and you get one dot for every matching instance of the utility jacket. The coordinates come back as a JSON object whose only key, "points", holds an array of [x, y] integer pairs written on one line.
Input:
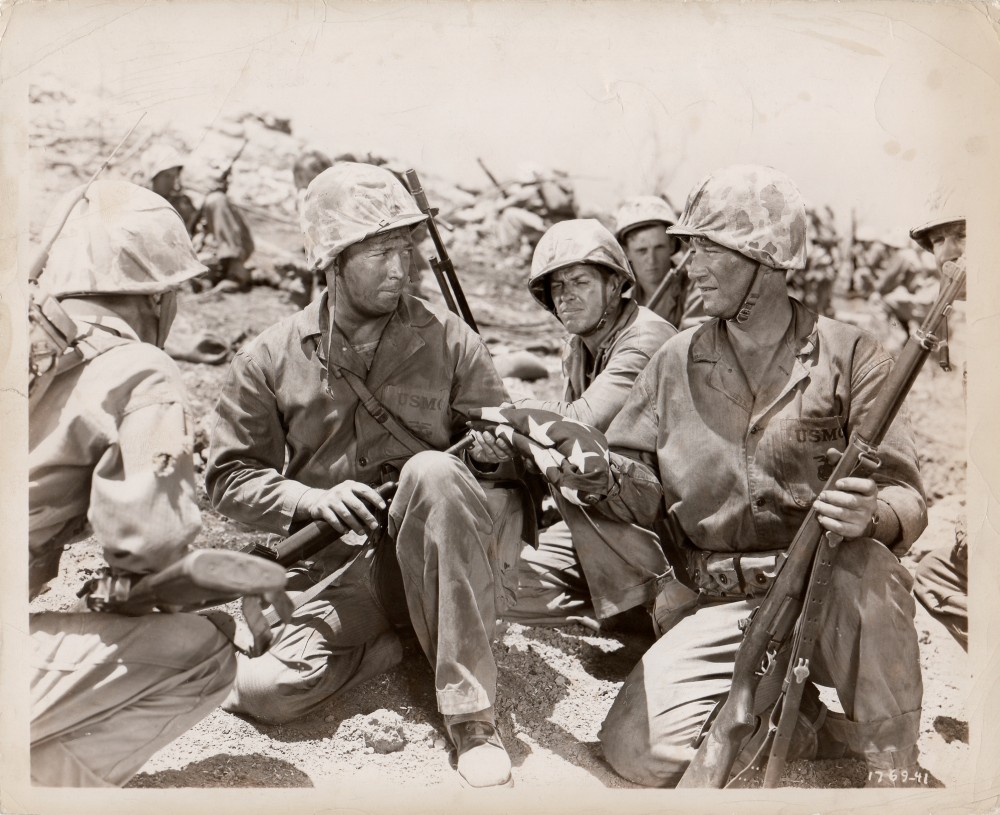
{"points": [[597, 386], [287, 420], [736, 476], [110, 444]]}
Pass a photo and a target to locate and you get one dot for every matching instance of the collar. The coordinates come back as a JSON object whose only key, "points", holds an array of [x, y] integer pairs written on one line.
{"points": [[800, 337]]}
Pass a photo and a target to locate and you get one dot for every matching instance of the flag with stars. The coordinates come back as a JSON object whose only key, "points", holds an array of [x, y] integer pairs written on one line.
{"points": [[571, 456]]}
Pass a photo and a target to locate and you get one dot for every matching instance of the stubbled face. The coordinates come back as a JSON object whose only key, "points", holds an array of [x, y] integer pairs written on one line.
{"points": [[948, 244], [374, 272], [167, 182], [581, 293], [648, 250], [721, 275]]}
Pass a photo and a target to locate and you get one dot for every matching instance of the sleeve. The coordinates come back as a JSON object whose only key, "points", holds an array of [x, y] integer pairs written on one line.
{"points": [[477, 384], [637, 496], [605, 396], [247, 452], [898, 477], [143, 501]]}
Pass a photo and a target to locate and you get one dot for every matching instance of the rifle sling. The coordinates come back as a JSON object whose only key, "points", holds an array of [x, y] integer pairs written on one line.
{"points": [[803, 645], [379, 412]]}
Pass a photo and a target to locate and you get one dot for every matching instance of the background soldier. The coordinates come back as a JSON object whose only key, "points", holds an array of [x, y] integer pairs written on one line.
{"points": [[580, 273], [942, 578], [641, 228], [366, 385], [110, 446]]}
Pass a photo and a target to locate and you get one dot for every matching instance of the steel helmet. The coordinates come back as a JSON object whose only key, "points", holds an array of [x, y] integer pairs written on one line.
{"points": [[944, 208], [751, 209], [119, 239], [348, 203], [581, 240], [158, 158], [643, 210]]}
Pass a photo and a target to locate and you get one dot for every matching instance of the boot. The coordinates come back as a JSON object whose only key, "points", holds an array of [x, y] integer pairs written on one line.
{"points": [[481, 758]]}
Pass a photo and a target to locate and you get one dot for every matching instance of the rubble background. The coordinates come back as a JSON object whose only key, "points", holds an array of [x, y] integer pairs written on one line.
{"points": [[555, 685]]}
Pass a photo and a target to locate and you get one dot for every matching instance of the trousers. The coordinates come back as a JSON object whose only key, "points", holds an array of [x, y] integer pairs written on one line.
{"points": [[447, 567], [586, 565], [867, 651], [108, 691], [942, 587]]}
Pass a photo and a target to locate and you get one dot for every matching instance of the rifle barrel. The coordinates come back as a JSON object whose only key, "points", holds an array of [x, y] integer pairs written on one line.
{"points": [[668, 278]]}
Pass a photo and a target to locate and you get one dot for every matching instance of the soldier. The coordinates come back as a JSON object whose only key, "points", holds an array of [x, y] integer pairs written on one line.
{"points": [[580, 273], [641, 228], [110, 449], [221, 235], [365, 385], [942, 577], [727, 431]]}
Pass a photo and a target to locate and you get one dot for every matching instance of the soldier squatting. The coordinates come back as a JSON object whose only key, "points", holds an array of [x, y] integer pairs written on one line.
{"points": [[698, 434]]}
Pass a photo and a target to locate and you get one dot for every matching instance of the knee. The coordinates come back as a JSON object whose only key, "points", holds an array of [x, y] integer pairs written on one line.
{"points": [[430, 467], [262, 692], [633, 752]]}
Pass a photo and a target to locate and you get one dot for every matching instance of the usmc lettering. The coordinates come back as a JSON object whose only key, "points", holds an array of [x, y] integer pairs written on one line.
{"points": [[816, 435]]}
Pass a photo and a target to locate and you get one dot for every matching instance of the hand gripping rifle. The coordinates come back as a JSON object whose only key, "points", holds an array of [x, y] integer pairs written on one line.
{"points": [[791, 608], [441, 265]]}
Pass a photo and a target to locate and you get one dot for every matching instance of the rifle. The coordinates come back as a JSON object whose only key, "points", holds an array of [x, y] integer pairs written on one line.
{"points": [[668, 278], [441, 265], [198, 580], [801, 583], [52, 330]]}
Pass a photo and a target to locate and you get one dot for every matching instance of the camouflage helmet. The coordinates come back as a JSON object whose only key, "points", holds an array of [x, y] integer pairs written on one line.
{"points": [[751, 209], [944, 208], [643, 210], [157, 159], [348, 203], [119, 239], [567, 243]]}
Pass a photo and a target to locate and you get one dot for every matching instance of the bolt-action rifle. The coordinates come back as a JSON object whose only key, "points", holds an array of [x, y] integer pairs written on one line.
{"points": [[668, 279], [791, 608], [441, 265]]}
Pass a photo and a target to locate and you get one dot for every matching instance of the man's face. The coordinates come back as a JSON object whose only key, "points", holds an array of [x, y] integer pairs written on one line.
{"points": [[721, 275], [648, 249], [580, 294], [948, 244], [167, 182], [373, 273]]}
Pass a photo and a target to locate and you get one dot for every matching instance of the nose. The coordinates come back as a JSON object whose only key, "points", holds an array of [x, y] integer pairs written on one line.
{"points": [[397, 266]]}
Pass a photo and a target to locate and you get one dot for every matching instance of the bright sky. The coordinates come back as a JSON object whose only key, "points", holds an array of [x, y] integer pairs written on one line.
{"points": [[865, 105]]}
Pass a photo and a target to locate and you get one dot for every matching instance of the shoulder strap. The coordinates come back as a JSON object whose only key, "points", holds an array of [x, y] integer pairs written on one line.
{"points": [[379, 412]]}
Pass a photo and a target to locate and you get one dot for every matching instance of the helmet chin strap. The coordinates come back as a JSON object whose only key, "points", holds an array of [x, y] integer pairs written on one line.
{"points": [[750, 297], [603, 320]]}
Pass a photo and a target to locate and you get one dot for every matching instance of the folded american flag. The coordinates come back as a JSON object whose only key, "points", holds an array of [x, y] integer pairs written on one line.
{"points": [[571, 456]]}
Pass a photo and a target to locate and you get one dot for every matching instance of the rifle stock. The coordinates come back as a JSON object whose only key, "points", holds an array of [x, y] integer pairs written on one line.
{"points": [[778, 614]]}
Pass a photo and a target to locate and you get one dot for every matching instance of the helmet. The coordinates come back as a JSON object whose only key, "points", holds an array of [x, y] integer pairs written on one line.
{"points": [[944, 208], [348, 203], [158, 158], [751, 209], [119, 239], [583, 240], [643, 210]]}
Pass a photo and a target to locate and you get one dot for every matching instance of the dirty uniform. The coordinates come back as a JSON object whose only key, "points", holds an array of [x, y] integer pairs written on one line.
{"points": [[942, 576], [552, 587], [110, 446], [288, 422], [736, 478]]}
